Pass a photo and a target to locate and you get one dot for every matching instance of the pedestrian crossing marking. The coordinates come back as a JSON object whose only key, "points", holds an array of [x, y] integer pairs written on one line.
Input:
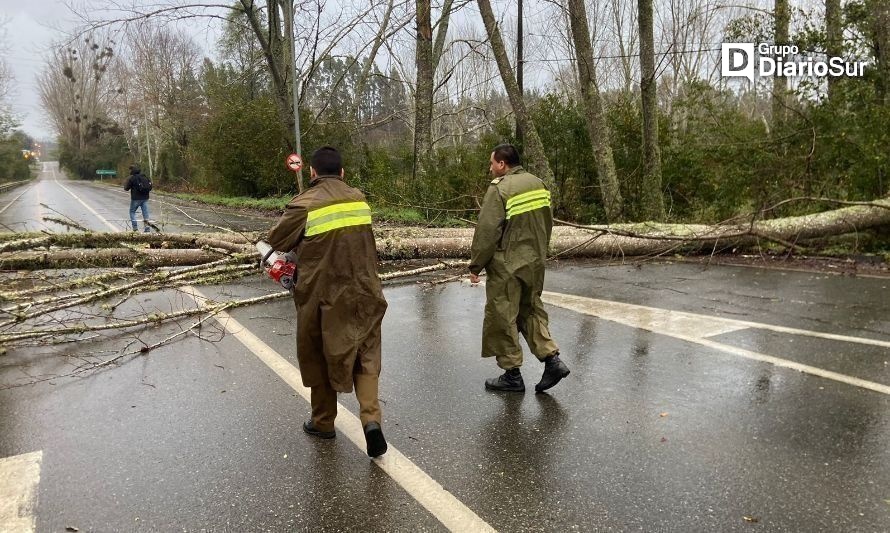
{"points": [[695, 328], [19, 477]]}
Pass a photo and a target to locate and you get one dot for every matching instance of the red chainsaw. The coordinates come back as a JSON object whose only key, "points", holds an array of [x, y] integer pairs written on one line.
{"points": [[280, 267]]}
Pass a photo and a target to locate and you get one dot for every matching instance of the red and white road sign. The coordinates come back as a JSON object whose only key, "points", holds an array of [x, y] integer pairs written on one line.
{"points": [[294, 162]]}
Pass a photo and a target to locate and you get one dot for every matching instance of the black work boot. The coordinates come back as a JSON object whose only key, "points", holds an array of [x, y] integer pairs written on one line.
{"points": [[374, 439], [509, 381], [554, 371], [310, 428]]}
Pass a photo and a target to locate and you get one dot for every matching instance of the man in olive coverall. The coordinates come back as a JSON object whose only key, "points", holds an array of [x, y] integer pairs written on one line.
{"points": [[510, 244]]}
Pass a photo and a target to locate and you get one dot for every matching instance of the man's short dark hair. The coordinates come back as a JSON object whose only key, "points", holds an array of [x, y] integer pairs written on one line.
{"points": [[507, 153], [327, 161]]}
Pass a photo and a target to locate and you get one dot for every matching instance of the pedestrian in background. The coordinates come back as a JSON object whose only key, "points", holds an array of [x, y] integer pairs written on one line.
{"points": [[139, 186]]}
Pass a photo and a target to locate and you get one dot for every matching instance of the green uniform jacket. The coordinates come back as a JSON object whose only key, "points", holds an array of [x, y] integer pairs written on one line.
{"points": [[510, 243], [339, 299], [502, 236]]}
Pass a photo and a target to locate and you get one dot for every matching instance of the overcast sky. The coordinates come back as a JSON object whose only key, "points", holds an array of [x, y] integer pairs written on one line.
{"points": [[30, 28]]}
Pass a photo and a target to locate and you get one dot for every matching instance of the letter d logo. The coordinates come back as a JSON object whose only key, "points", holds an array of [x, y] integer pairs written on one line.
{"points": [[737, 60]]}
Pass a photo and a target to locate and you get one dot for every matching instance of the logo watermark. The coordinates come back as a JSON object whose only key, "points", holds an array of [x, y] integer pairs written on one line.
{"points": [[747, 60]]}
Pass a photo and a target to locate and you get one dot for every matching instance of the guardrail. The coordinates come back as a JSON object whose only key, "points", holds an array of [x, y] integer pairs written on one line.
{"points": [[5, 186]]}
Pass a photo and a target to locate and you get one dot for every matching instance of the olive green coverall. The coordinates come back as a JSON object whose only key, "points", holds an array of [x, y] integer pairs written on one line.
{"points": [[510, 244]]}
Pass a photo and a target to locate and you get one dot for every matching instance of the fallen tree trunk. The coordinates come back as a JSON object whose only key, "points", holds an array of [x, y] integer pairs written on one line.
{"points": [[649, 238], [28, 241], [106, 257], [424, 243]]}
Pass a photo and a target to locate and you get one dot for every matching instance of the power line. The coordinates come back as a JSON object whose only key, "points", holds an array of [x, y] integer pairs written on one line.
{"points": [[626, 56]]}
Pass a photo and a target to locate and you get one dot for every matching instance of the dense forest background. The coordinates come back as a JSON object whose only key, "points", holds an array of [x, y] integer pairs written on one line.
{"points": [[619, 105]]}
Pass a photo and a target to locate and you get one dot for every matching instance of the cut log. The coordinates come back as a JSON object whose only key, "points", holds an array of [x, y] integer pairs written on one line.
{"points": [[424, 243], [105, 257]]}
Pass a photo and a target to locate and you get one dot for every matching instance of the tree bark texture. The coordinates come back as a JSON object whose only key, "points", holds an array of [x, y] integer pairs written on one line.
{"points": [[834, 37], [782, 19], [880, 22], [594, 112], [423, 93], [105, 257], [649, 238], [653, 202]]}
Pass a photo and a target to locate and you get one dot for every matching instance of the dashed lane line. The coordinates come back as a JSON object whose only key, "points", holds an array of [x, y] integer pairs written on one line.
{"points": [[450, 511], [19, 477], [696, 328]]}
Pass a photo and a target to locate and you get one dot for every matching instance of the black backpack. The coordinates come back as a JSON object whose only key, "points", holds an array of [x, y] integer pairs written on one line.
{"points": [[142, 184]]}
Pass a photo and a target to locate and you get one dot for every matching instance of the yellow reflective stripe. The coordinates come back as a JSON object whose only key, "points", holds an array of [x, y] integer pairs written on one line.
{"points": [[518, 210], [527, 201], [520, 205], [338, 223], [336, 208], [536, 194], [337, 216], [334, 216]]}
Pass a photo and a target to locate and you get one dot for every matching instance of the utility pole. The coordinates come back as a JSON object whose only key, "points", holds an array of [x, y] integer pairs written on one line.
{"points": [[289, 22], [519, 132]]}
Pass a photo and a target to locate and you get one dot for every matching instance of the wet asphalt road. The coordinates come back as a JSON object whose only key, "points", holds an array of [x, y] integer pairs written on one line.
{"points": [[100, 206], [650, 432]]}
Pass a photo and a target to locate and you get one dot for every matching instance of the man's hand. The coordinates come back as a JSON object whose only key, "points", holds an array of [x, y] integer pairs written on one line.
{"points": [[474, 279]]}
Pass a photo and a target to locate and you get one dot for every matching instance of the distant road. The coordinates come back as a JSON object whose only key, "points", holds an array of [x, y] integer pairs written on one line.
{"points": [[97, 207]]}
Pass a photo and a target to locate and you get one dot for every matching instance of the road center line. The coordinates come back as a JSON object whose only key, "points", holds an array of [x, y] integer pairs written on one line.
{"points": [[90, 209], [19, 477], [680, 327], [450, 511]]}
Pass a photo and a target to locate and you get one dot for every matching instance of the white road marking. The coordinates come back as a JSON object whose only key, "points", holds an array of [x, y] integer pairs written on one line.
{"points": [[19, 477], [16, 198], [683, 328], [90, 209], [695, 324], [450, 511]]}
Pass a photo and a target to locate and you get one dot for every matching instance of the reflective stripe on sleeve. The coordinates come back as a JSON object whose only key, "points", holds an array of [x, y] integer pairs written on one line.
{"points": [[527, 201]]}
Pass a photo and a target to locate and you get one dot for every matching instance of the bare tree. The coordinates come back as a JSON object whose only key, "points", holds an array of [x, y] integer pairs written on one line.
{"points": [[72, 91], [834, 37], [466, 100], [5, 74], [625, 29], [423, 93], [318, 33], [782, 20], [278, 50], [689, 31], [535, 156], [594, 111], [653, 202], [879, 11], [164, 87], [427, 56]]}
